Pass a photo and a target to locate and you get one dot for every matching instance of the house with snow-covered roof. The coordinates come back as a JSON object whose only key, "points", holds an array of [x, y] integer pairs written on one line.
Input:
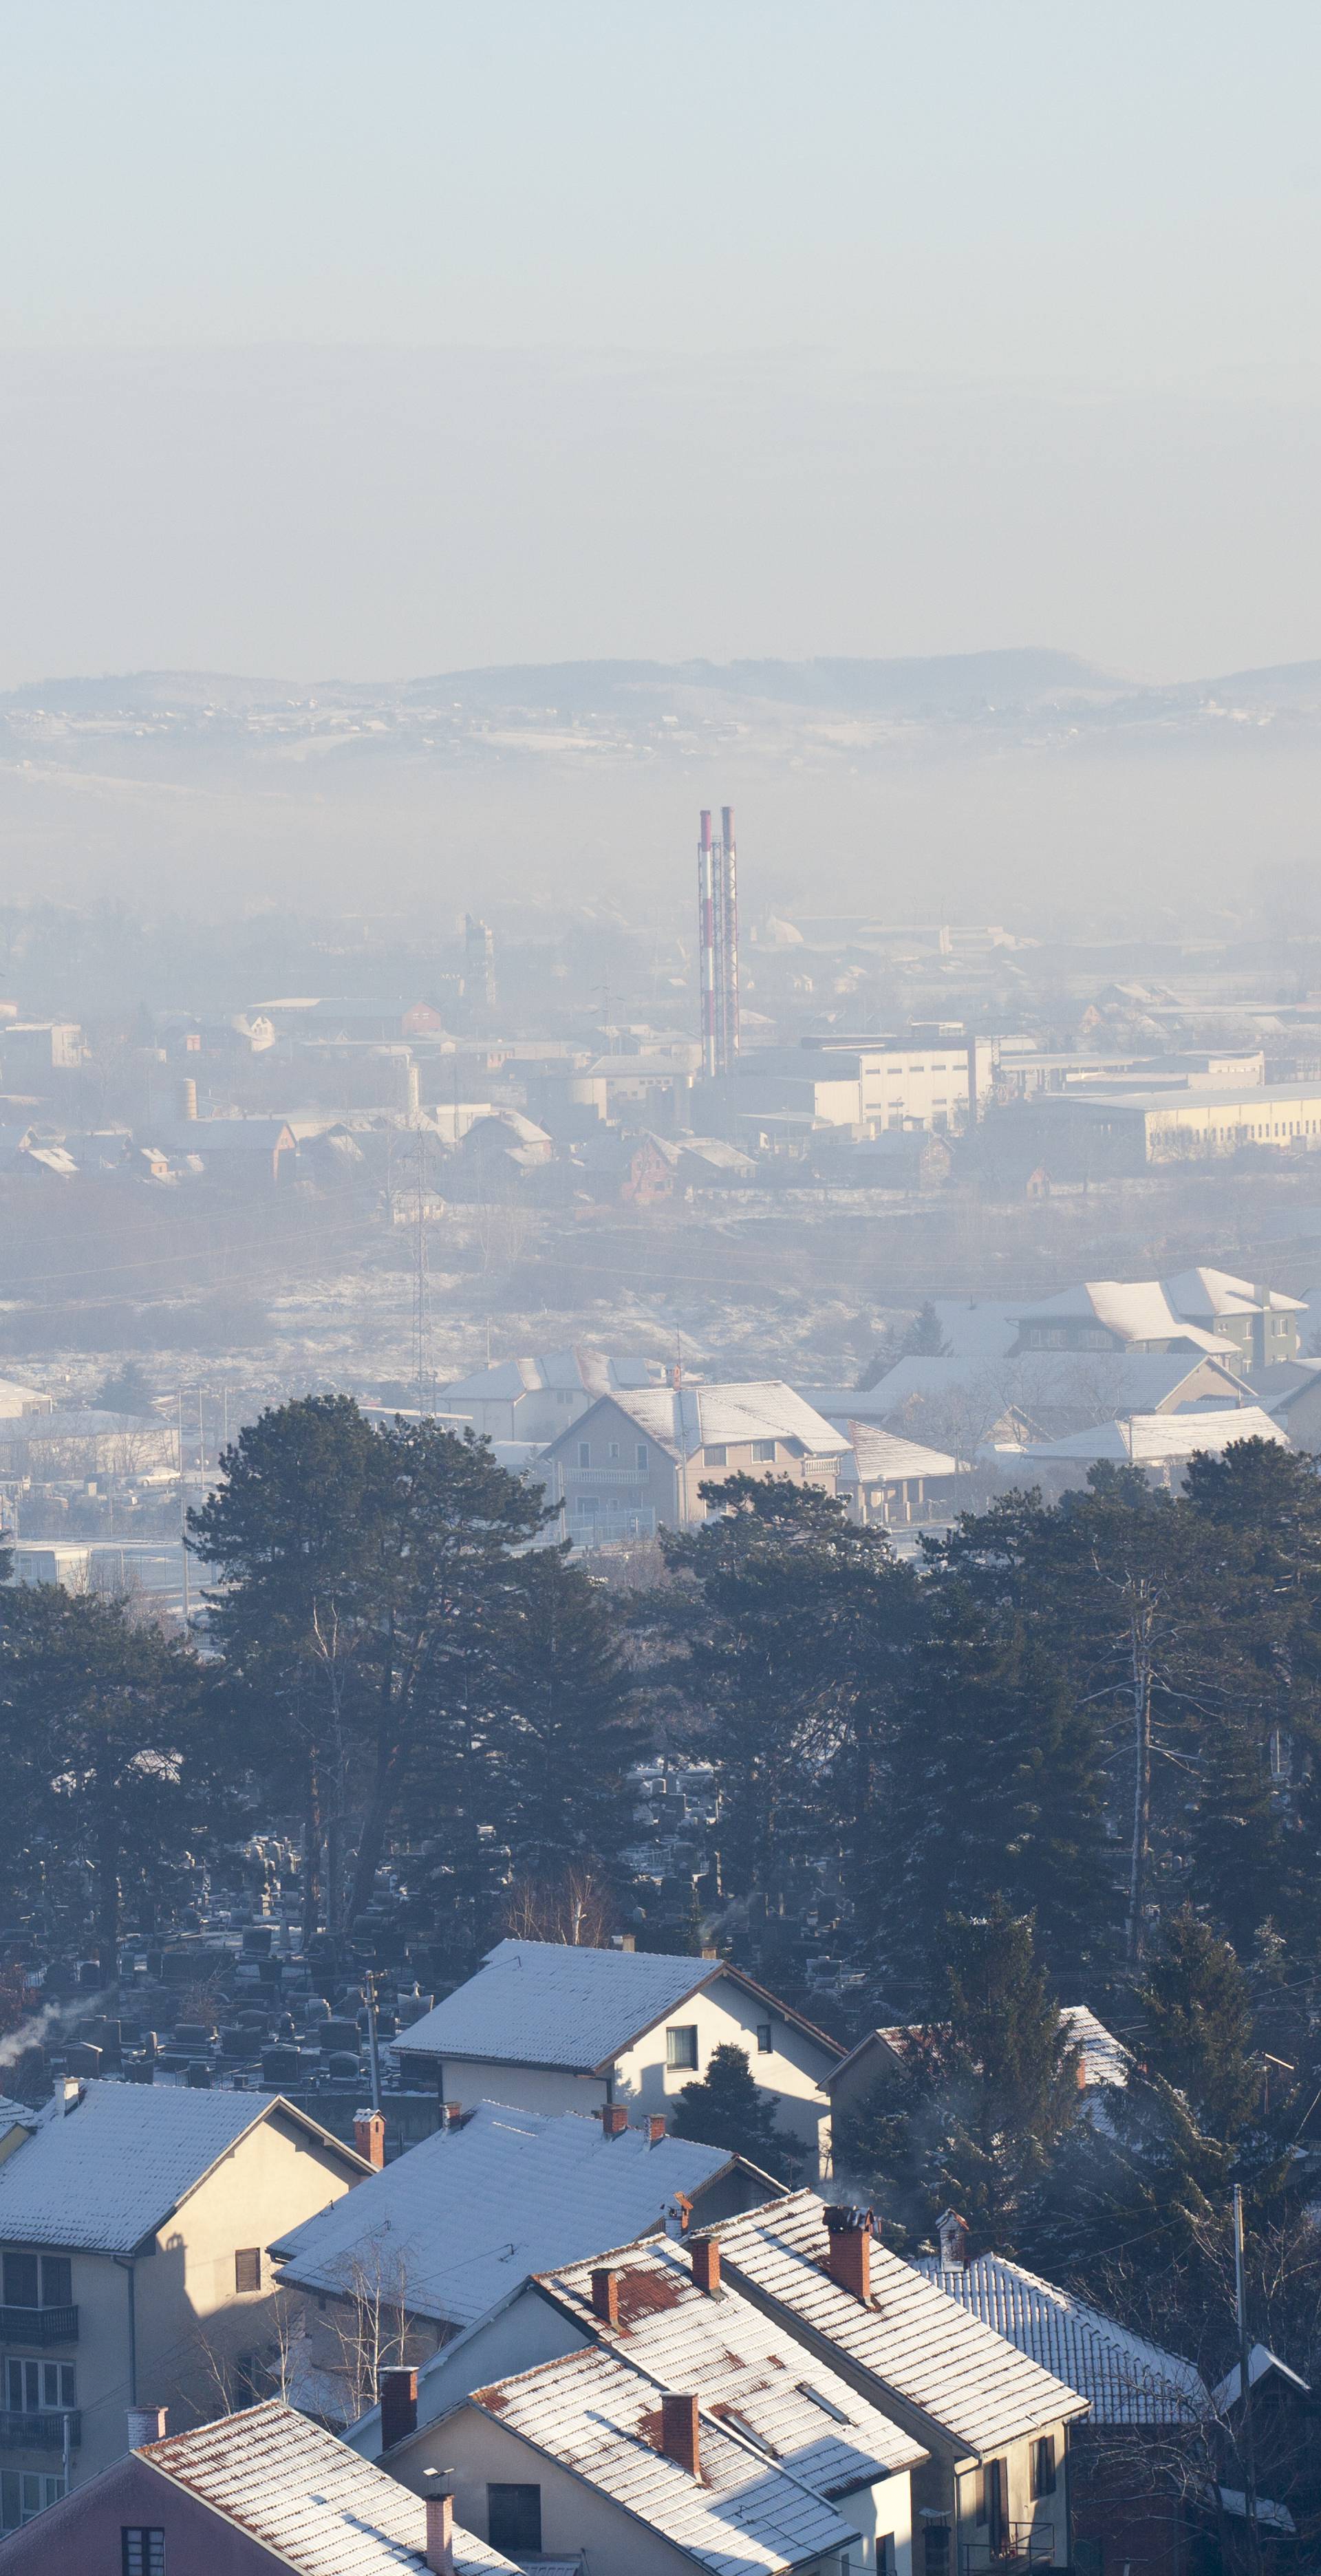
{"points": [[260, 2493], [133, 2223], [536, 1397], [444, 2236], [1118, 1315], [549, 2027], [994, 2423], [636, 1462]]}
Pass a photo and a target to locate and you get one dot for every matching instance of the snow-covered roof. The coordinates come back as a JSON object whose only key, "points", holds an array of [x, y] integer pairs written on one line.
{"points": [[1125, 2379], [1202, 1294], [882, 1458], [324, 2511], [1105, 2060], [547, 2003], [683, 1420], [1262, 2364], [461, 2219], [108, 2171], [1153, 1439], [743, 2369], [15, 1398], [1142, 1380], [1138, 1310], [937, 2360], [601, 2419], [977, 1328]]}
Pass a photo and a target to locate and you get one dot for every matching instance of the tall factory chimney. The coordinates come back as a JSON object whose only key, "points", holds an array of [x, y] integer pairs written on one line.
{"points": [[717, 943]]}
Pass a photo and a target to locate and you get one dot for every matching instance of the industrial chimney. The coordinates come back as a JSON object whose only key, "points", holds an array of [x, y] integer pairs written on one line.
{"points": [[717, 942]]}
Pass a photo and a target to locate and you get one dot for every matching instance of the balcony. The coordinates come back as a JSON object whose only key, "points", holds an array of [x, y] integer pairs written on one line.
{"points": [[38, 2326], [41, 2430], [1017, 2545]]}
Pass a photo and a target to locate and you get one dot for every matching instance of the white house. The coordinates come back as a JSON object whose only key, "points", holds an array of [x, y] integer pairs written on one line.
{"points": [[552, 2028]]}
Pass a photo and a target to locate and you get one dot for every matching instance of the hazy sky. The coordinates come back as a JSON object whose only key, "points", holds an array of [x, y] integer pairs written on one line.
{"points": [[368, 339]]}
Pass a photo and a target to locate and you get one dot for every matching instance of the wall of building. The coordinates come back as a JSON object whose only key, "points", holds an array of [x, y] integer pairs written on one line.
{"points": [[84, 2535], [574, 2516], [793, 2069]]}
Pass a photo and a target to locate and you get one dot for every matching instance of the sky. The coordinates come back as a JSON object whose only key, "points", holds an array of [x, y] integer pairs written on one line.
{"points": [[449, 332]]}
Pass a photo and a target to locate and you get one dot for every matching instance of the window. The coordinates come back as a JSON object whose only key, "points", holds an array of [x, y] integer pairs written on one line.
{"points": [[1043, 2466], [935, 2549], [765, 2041], [21, 2278], [56, 2281], [644, 1457], [612, 1450], [38, 2387], [584, 1453], [247, 2268], [144, 2550], [513, 2519], [717, 1456], [826, 2404], [681, 2045], [991, 2501], [885, 2557], [763, 1451], [25, 2492]]}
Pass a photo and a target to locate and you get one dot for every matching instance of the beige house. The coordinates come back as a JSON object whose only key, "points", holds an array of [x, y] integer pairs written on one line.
{"points": [[636, 1462], [133, 2223], [553, 2028]]}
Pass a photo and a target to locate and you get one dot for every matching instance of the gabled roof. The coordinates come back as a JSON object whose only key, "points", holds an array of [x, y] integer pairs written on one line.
{"points": [[108, 2172], [683, 1420], [1138, 1310], [295, 2489], [1150, 1439], [1262, 2364], [458, 2222], [600, 2419], [881, 1457], [745, 2371], [946, 2367], [1105, 2060], [547, 2003], [1144, 1381], [577, 1371], [1203, 1294], [978, 1328], [1125, 2379]]}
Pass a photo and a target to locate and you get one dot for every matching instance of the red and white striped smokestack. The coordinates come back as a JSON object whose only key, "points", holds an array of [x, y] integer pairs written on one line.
{"points": [[728, 1012], [707, 906]]}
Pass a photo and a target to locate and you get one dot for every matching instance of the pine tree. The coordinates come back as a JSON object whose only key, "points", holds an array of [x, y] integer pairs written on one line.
{"points": [[924, 1339], [1197, 2007], [727, 2109], [1238, 1843], [565, 1733]]}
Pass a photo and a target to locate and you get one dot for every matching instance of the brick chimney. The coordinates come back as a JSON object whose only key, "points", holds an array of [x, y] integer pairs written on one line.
{"points": [[657, 2123], [848, 2244], [706, 2265], [628, 1941], [453, 2112], [605, 2295], [369, 2138], [440, 2534], [146, 2424], [397, 2393], [680, 2437], [614, 2119], [952, 2235]]}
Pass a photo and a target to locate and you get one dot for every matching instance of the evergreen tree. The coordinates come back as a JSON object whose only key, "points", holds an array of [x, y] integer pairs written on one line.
{"points": [[727, 2109], [1197, 2007], [1240, 1860], [924, 1339], [565, 1733]]}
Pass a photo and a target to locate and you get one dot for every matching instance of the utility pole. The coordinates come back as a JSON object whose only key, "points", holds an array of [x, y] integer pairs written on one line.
{"points": [[421, 1281], [373, 2043], [1247, 2447]]}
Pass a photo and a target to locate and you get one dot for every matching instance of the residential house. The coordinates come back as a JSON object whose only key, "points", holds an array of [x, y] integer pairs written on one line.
{"points": [[1103, 2059], [16, 1399], [888, 1482], [440, 2239], [552, 2028], [536, 1398], [1146, 2406], [261, 2493], [86, 1440], [1118, 1315], [237, 1152], [664, 2310], [1262, 1322], [133, 2223], [978, 1402], [636, 1462], [1292, 1397], [587, 2460], [994, 2423], [1160, 1443]]}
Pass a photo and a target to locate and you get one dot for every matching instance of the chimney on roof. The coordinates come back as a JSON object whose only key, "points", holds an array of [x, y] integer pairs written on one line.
{"points": [[440, 2533], [605, 2295], [848, 2254], [397, 2394], [678, 2211], [628, 1940], [146, 2424], [709, 1950], [70, 2092], [680, 2436], [657, 2122], [952, 2234], [452, 2114], [706, 2265], [614, 2119], [369, 2138]]}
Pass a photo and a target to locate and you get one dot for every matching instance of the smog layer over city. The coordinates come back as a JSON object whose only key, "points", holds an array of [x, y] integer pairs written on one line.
{"points": [[660, 1288]]}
